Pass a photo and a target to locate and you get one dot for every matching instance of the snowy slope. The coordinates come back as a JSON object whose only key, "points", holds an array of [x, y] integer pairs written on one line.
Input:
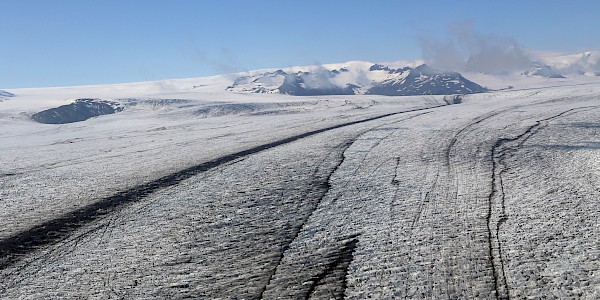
{"points": [[195, 191], [356, 206], [79, 110], [539, 69], [357, 78], [6, 94], [585, 63], [424, 80]]}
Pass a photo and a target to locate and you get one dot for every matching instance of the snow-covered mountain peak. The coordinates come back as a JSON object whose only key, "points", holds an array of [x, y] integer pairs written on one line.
{"points": [[355, 78], [426, 70], [542, 70], [425, 80], [584, 63]]}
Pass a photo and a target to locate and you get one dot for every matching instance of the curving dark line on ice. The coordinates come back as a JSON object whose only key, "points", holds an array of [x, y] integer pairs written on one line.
{"points": [[342, 261], [498, 153], [13, 248]]}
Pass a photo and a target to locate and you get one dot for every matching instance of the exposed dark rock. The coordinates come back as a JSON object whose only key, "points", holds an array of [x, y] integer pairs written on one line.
{"points": [[406, 81], [4, 93], [80, 110], [378, 67], [424, 80], [453, 99], [279, 72]]}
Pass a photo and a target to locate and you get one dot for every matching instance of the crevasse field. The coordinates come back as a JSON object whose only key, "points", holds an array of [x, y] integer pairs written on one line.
{"points": [[193, 191]]}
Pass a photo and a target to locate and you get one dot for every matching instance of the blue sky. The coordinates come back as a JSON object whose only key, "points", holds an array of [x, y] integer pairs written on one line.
{"points": [[60, 42]]}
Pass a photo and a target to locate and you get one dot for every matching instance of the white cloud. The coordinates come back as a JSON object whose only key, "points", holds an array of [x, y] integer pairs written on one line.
{"points": [[468, 50]]}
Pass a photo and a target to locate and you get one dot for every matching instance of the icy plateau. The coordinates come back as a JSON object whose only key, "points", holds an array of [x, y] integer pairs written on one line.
{"points": [[347, 181]]}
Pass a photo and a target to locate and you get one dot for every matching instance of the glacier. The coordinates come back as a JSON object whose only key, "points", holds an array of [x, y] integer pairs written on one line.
{"points": [[200, 190]]}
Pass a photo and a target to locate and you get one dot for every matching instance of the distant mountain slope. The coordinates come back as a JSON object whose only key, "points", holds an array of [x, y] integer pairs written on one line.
{"points": [[4, 93], [80, 110], [301, 85], [424, 80], [585, 63], [542, 70], [357, 79]]}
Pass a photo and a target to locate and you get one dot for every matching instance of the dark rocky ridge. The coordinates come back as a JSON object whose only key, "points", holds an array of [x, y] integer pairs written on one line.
{"points": [[422, 80], [4, 93], [80, 110]]}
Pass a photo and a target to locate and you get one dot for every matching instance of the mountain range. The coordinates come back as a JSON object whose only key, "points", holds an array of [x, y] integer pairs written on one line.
{"points": [[364, 78], [357, 78], [584, 63], [402, 78]]}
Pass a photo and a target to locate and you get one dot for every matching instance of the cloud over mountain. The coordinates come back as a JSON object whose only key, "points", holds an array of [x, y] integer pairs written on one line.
{"points": [[468, 50]]}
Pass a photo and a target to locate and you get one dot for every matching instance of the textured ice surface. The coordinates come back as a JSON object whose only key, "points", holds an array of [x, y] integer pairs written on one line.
{"points": [[494, 197]]}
